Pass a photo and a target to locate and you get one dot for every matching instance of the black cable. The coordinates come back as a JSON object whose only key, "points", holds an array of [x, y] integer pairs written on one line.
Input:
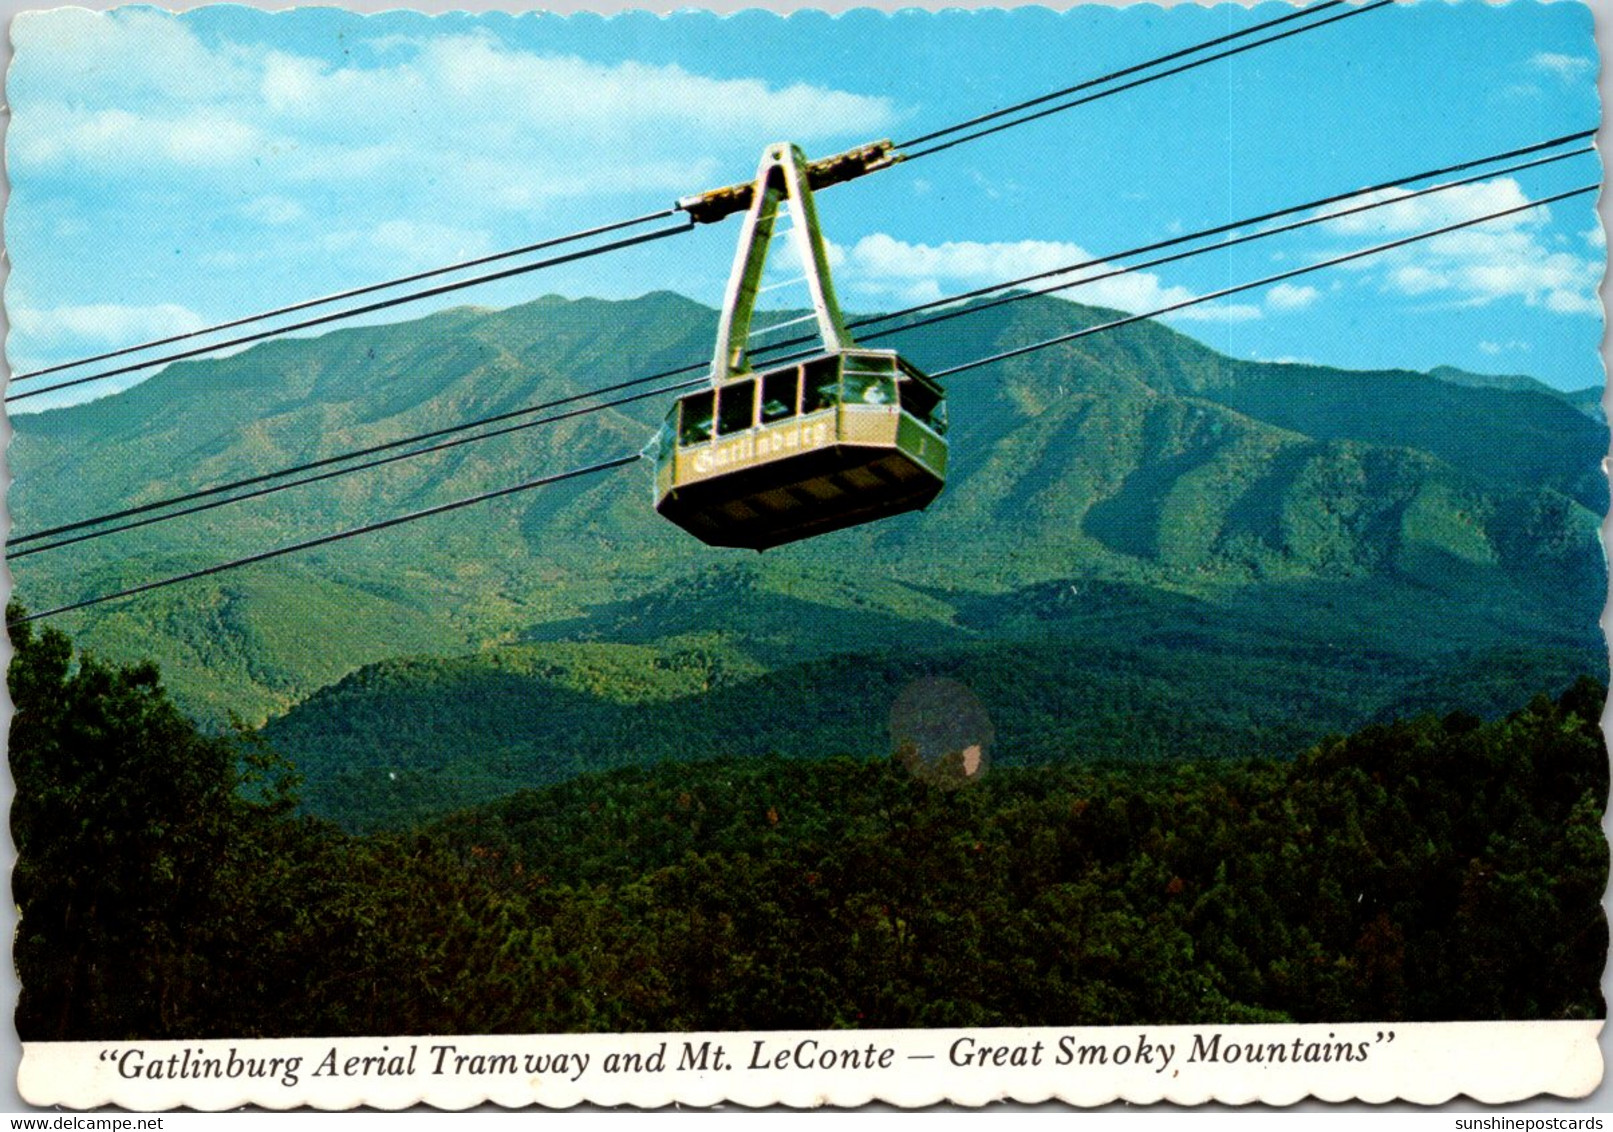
{"points": [[264, 477], [1244, 223], [272, 489], [1372, 7], [1234, 242], [978, 291], [1254, 29], [352, 312], [352, 293], [618, 225], [1267, 281], [526, 411], [323, 540], [621, 461]]}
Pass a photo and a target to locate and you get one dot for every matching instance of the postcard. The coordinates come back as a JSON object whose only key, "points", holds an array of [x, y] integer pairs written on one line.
{"points": [[811, 558]]}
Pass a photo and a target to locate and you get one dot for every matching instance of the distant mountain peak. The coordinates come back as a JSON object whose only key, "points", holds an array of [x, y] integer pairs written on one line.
{"points": [[1587, 400], [1138, 455]]}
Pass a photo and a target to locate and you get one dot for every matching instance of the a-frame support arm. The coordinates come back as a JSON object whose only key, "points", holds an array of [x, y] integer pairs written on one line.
{"points": [[780, 177]]}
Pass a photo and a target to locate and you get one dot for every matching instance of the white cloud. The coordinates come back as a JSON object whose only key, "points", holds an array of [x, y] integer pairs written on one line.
{"points": [[880, 256], [1219, 312], [516, 94], [384, 44], [429, 243], [104, 323], [541, 126], [273, 210], [1414, 279], [122, 57], [572, 95], [409, 243], [880, 265], [336, 163], [1515, 344], [1573, 302], [114, 139], [1435, 210], [290, 85], [1501, 258], [783, 257], [1286, 297], [1565, 67], [524, 184]]}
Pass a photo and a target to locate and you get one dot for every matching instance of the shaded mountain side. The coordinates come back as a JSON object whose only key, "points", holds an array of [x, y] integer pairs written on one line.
{"points": [[1431, 869], [771, 610], [225, 658], [1524, 434], [1185, 494], [299, 399], [1587, 400], [1517, 436], [1116, 673], [775, 613], [1137, 456]]}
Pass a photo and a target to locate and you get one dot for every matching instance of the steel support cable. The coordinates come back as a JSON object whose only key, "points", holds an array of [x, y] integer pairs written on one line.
{"points": [[630, 458], [368, 308], [351, 532], [646, 218], [664, 213], [1123, 270], [1189, 253], [326, 461], [352, 293], [1219, 229], [1127, 269], [870, 320], [1377, 249], [284, 485], [999, 127], [1253, 29]]}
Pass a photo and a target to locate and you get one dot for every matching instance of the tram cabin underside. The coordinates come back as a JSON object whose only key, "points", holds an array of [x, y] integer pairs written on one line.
{"points": [[764, 459]]}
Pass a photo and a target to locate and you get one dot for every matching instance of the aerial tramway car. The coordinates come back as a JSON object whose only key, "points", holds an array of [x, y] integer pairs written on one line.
{"points": [[841, 436]]}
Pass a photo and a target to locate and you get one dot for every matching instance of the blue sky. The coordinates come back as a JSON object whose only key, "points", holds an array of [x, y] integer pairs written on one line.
{"points": [[170, 170]]}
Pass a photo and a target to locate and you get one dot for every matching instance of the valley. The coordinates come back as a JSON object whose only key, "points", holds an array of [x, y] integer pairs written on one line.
{"points": [[1146, 551]]}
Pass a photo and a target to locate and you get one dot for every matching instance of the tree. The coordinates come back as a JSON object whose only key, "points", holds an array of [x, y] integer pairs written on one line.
{"points": [[122, 812]]}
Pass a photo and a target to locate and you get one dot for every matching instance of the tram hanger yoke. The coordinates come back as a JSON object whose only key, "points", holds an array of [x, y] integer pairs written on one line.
{"points": [[841, 436], [718, 204], [780, 177]]}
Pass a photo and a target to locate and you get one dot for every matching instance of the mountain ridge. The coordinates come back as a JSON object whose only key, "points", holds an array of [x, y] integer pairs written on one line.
{"points": [[1139, 456]]}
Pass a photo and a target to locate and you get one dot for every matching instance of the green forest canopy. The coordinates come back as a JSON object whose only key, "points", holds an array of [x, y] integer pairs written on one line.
{"points": [[1427, 869]]}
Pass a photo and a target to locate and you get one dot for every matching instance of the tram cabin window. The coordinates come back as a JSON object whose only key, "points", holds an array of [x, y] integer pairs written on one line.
{"points": [[780, 391], [926, 404], [694, 425], [662, 444], [869, 384], [822, 381], [736, 407]]}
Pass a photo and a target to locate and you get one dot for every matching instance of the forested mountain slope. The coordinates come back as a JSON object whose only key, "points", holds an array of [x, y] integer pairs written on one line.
{"points": [[1428, 869], [1137, 457]]}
